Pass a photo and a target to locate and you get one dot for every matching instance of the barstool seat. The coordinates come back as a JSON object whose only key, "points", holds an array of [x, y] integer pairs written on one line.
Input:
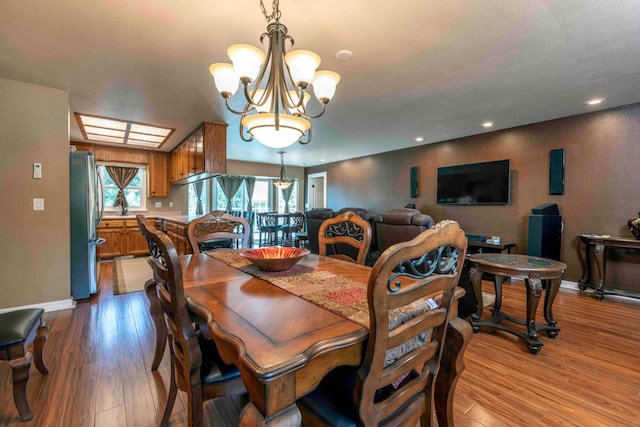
{"points": [[17, 330]]}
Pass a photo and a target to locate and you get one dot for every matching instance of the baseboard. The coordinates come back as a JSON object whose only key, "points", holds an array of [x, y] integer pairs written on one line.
{"points": [[48, 306]]}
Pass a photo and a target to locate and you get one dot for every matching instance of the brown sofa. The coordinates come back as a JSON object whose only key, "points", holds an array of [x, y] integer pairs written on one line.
{"points": [[398, 225], [314, 218]]}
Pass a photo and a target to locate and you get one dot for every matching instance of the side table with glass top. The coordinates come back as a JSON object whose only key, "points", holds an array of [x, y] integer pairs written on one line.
{"points": [[534, 270]]}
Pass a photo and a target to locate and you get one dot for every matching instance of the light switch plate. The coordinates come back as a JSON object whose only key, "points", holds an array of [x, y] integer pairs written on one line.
{"points": [[38, 204], [158, 204]]}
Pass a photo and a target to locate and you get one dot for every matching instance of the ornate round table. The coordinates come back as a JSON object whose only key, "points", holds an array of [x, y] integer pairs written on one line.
{"points": [[534, 270]]}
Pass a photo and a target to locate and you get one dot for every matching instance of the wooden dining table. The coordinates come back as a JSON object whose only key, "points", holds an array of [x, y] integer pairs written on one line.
{"points": [[284, 345]]}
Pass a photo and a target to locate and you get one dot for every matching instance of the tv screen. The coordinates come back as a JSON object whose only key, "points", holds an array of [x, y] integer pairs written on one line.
{"points": [[485, 183]]}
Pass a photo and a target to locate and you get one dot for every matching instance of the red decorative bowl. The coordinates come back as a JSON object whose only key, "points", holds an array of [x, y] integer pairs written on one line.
{"points": [[275, 258]]}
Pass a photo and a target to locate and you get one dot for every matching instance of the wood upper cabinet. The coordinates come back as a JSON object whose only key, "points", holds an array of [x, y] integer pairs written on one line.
{"points": [[202, 154], [158, 174]]}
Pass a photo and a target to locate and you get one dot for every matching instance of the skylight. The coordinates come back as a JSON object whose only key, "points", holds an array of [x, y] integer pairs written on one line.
{"points": [[103, 129]]}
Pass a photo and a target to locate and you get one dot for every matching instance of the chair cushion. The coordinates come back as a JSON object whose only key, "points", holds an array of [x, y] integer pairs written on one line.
{"points": [[402, 315], [332, 401], [15, 325]]}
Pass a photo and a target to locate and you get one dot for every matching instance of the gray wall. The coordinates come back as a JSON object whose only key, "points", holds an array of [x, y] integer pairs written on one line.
{"points": [[602, 179], [34, 254]]}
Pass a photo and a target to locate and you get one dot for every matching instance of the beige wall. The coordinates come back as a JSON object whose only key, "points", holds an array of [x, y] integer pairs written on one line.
{"points": [[34, 254], [602, 179]]}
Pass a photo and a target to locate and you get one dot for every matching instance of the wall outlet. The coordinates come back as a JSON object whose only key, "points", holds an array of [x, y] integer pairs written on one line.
{"points": [[158, 204], [170, 204], [38, 204]]}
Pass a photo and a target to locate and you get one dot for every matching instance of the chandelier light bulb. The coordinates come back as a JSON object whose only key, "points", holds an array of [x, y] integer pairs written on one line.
{"points": [[295, 99], [225, 78], [302, 65], [324, 84], [246, 59]]}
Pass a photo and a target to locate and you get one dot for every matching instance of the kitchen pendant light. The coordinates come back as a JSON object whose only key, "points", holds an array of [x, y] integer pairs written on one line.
{"points": [[283, 181]]}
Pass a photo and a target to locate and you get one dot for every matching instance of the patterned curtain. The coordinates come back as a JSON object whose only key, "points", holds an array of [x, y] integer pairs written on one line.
{"points": [[122, 176], [197, 186], [230, 186], [250, 184]]}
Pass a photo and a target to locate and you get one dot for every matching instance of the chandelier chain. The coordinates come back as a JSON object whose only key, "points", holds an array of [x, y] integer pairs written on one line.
{"points": [[275, 13]]}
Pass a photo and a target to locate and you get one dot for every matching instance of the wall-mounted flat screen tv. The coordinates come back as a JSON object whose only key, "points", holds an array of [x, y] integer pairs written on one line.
{"points": [[485, 183]]}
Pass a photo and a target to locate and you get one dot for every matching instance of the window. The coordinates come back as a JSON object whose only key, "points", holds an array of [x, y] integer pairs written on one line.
{"points": [[293, 201], [135, 192], [193, 198], [266, 197]]}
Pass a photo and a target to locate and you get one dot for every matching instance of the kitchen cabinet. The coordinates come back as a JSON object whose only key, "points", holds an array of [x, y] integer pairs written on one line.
{"points": [[202, 154], [158, 174], [112, 231], [122, 237], [177, 232], [136, 242]]}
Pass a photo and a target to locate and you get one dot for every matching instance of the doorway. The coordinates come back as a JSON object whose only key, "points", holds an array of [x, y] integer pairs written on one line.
{"points": [[317, 190]]}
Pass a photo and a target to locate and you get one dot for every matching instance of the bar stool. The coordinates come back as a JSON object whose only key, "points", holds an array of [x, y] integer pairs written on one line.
{"points": [[17, 330]]}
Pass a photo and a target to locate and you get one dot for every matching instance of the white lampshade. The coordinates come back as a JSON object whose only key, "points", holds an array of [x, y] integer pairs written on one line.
{"points": [[264, 108], [262, 127], [294, 98], [246, 60], [224, 77], [324, 84], [302, 65]]}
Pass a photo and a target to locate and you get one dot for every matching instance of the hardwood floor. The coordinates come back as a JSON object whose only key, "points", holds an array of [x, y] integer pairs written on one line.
{"points": [[99, 355]]}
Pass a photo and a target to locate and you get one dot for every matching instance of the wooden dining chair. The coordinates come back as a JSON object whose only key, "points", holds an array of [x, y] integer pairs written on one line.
{"points": [[346, 229], [18, 329], [222, 228], [294, 224], [196, 365], [410, 293], [267, 226]]}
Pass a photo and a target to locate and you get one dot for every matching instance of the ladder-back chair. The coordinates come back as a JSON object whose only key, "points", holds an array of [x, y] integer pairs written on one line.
{"points": [[410, 292]]}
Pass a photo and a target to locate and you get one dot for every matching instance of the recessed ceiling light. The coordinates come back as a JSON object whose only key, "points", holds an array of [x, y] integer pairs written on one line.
{"points": [[340, 156], [595, 101], [418, 139], [344, 55], [487, 124], [322, 160]]}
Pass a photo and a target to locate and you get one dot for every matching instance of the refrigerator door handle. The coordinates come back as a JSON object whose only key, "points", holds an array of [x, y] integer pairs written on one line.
{"points": [[99, 198]]}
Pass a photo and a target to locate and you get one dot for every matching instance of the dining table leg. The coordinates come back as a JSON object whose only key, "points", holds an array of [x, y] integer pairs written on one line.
{"points": [[270, 404]]}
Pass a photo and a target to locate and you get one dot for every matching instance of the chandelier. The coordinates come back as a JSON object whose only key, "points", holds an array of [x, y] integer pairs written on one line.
{"points": [[275, 86], [283, 181]]}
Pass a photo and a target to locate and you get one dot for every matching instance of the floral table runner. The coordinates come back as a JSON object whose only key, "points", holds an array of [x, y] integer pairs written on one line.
{"points": [[337, 294]]}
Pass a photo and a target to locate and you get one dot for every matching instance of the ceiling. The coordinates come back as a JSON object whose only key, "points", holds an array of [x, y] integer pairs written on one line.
{"points": [[434, 69]]}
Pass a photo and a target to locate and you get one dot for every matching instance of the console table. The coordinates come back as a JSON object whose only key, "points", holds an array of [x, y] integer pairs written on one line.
{"points": [[533, 270], [491, 247], [599, 244]]}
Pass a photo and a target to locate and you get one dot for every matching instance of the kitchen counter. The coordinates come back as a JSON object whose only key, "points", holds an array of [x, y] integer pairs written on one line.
{"points": [[172, 216]]}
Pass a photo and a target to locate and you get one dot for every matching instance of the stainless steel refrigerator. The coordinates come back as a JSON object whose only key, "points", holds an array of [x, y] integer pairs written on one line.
{"points": [[86, 213]]}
